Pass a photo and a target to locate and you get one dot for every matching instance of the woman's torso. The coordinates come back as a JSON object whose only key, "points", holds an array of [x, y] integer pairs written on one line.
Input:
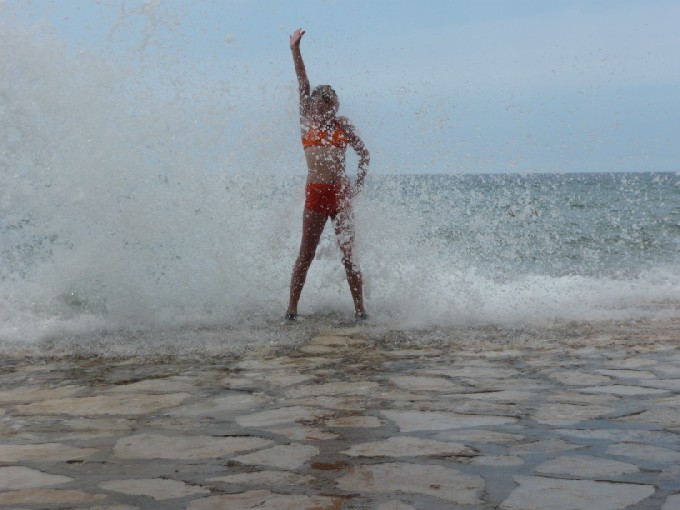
{"points": [[325, 148]]}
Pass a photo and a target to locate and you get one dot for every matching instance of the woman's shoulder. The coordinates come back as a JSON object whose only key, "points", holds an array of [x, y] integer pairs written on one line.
{"points": [[344, 123]]}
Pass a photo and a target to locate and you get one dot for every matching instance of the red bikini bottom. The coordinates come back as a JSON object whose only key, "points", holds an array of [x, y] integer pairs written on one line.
{"points": [[327, 199]]}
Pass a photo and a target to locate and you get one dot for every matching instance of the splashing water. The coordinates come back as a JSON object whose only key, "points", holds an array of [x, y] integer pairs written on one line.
{"points": [[129, 209]]}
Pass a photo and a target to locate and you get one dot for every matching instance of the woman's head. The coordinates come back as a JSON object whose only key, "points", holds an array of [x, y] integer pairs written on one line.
{"points": [[324, 100]]}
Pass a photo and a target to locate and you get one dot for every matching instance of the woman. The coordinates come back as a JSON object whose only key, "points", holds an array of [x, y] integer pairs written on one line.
{"points": [[328, 193]]}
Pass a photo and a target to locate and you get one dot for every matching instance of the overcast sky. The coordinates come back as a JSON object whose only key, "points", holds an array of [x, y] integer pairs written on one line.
{"points": [[433, 86]]}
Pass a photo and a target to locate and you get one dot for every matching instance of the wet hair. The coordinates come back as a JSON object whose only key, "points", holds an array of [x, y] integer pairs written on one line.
{"points": [[326, 92]]}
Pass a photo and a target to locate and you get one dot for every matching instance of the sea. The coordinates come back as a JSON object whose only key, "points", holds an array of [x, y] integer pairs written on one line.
{"points": [[132, 224], [139, 272]]}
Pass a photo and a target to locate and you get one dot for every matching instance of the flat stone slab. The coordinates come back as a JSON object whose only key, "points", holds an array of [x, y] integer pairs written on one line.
{"points": [[43, 452], [575, 378], [280, 416], [340, 388], [266, 478], [283, 379], [622, 373], [129, 404], [430, 480], [617, 435], [623, 390], [411, 421], [265, 500], [298, 432], [478, 436], [164, 385], [665, 417], [560, 413], [422, 383], [538, 493], [19, 477], [282, 456], [672, 502], [498, 460], [501, 396], [583, 466], [49, 497], [404, 446], [475, 372], [31, 394], [344, 403], [159, 489], [395, 505], [649, 453], [157, 446], [543, 446], [361, 422], [220, 406]]}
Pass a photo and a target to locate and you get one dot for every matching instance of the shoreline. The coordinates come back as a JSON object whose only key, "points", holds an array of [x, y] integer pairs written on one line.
{"points": [[205, 342]]}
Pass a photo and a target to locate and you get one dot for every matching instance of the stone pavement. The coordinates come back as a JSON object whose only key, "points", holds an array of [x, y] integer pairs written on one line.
{"points": [[347, 422]]}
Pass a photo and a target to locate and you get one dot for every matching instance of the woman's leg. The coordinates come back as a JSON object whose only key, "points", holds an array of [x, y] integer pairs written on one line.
{"points": [[344, 232], [312, 228]]}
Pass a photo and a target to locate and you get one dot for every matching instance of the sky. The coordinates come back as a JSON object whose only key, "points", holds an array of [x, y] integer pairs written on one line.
{"points": [[433, 86]]}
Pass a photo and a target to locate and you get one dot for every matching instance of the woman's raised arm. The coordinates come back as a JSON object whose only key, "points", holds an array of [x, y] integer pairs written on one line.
{"points": [[303, 81]]}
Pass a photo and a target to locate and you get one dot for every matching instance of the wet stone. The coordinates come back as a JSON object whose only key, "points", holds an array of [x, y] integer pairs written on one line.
{"points": [[303, 433], [430, 480], [280, 416], [340, 388], [282, 456], [498, 460], [337, 403], [579, 378], [43, 452], [404, 446], [538, 493], [666, 418], [395, 505], [352, 428], [265, 478], [264, 500], [627, 374], [560, 413], [411, 421], [19, 477], [475, 372], [104, 404], [220, 406], [156, 446], [620, 389], [478, 436], [282, 379], [583, 466], [364, 422], [616, 435], [158, 489], [30, 394], [167, 385], [649, 453], [419, 383], [672, 502], [544, 446], [48, 498], [501, 396]]}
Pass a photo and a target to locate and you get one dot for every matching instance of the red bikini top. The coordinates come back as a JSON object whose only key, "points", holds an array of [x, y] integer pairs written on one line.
{"points": [[325, 136]]}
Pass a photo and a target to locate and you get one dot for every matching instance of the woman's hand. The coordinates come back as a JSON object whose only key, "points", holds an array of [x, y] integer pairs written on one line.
{"points": [[295, 38]]}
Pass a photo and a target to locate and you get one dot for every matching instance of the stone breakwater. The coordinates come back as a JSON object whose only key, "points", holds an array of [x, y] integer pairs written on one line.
{"points": [[345, 422]]}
